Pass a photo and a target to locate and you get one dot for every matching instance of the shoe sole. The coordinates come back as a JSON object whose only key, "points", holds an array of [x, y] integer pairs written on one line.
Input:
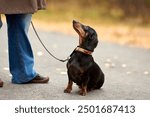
{"points": [[42, 82], [1, 84]]}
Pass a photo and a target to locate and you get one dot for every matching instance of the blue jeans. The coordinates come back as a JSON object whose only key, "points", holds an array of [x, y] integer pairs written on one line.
{"points": [[21, 60], [0, 21]]}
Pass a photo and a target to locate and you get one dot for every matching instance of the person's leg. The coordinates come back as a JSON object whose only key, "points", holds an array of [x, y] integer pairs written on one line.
{"points": [[0, 22], [1, 82], [21, 60]]}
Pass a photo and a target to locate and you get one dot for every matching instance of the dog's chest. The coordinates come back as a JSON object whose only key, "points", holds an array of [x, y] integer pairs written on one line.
{"points": [[75, 68], [78, 68]]}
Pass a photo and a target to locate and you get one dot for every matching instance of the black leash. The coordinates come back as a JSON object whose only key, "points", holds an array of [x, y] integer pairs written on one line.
{"points": [[61, 60]]}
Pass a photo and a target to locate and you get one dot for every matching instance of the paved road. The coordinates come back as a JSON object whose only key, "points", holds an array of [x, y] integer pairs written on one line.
{"points": [[127, 70]]}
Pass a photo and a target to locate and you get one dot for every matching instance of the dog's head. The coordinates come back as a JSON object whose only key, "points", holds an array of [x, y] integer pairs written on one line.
{"points": [[87, 36]]}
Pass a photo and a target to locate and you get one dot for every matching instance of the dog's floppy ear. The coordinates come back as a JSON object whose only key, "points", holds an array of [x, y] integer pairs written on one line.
{"points": [[94, 39], [92, 43]]}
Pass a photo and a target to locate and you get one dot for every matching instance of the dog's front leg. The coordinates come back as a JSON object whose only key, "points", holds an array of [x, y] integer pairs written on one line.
{"points": [[83, 90], [83, 87], [69, 87]]}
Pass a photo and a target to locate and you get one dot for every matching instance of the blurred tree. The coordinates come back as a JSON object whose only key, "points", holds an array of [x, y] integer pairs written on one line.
{"points": [[134, 8], [121, 9]]}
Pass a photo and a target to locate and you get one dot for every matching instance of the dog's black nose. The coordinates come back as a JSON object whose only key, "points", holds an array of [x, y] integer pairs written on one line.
{"points": [[74, 21]]}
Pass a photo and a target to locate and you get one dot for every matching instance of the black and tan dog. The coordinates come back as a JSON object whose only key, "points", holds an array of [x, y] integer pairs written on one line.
{"points": [[81, 67]]}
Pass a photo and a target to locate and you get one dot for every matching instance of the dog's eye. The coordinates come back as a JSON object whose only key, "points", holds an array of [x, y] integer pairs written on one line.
{"points": [[92, 37]]}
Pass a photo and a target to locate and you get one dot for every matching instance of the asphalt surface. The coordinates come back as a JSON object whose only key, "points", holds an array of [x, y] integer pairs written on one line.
{"points": [[127, 70]]}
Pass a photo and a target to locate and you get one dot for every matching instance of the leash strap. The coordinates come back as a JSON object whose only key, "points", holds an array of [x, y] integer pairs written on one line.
{"points": [[61, 60]]}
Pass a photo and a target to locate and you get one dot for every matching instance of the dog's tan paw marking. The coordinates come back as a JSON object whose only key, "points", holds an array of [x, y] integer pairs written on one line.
{"points": [[67, 91], [82, 93]]}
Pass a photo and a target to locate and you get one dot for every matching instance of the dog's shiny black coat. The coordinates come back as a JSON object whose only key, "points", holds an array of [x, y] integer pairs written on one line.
{"points": [[81, 67]]}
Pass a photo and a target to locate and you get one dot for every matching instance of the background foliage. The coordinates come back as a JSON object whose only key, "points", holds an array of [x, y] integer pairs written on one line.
{"points": [[120, 21], [136, 11]]}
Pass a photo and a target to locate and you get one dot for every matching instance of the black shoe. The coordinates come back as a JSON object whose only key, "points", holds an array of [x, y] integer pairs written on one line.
{"points": [[39, 79], [1, 83]]}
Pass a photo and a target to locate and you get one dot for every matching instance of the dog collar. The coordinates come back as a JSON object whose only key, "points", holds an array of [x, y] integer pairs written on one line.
{"points": [[83, 50]]}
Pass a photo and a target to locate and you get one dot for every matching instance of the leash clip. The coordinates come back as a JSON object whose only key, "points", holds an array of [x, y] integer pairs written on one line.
{"points": [[66, 59]]}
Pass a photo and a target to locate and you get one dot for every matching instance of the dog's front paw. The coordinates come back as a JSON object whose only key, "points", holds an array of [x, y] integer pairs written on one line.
{"points": [[67, 91], [82, 93]]}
